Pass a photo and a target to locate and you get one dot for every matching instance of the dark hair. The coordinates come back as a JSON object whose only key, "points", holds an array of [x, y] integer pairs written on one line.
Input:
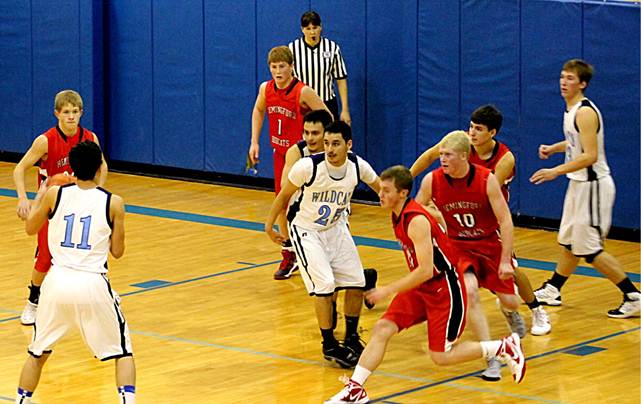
{"points": [[85, 159], [310, 17], [489, 116], [401, 176], [340, 127], [583, 70], [318, 116]]}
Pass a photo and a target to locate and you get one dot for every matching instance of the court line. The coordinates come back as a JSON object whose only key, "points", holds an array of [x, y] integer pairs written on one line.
{"points": [[529, 359], [359, 240]]}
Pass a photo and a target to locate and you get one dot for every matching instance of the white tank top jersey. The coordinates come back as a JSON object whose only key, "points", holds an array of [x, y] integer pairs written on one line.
{"points": [[303, 149], [325, 192], [573, 149], [80, 229]]}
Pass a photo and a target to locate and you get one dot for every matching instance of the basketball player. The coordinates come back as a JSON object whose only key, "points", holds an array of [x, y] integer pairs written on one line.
{"points": [[587, 210], [486, 151], [286, 100], [85, 224], [470, 199], [319, 190], [433, 291], [51, 151]]}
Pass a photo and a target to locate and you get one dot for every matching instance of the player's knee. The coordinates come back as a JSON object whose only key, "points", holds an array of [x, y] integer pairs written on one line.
{"points": [[591, 257], [324, 288], [510, 302], [439, 358], [473, 297], [384, 329]]}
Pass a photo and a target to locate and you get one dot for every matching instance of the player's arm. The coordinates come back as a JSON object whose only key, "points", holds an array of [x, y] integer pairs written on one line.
{"points": [[504, 168], [310, 100], [419, 232], [342, 92], [292, 156], [546, 150], [258, 117], [424, 160], [503, 216], [279, 204], [587, 121], [38, 149], [43, 205], [102, 177], [117, 215], [424, 195]]}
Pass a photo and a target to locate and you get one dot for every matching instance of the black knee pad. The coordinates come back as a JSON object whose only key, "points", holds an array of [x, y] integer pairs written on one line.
{"points": [[590, 257]]}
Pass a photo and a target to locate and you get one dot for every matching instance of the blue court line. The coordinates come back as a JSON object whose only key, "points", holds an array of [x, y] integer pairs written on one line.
{"points": [[4, 320], [359, 240], [529, 359]]}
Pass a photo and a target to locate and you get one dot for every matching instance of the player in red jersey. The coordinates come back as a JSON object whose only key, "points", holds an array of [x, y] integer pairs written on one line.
{"points": [[485, 123], [474, 210], [433, 291], [51, 150], [286, 100]]}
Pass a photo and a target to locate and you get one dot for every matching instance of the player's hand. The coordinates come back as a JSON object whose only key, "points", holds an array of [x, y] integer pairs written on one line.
{"points": [[345, 117], [506, 271], [275, 236], [376, 295], [545, 151], [543, 175], [253, 153], [24, 206]]}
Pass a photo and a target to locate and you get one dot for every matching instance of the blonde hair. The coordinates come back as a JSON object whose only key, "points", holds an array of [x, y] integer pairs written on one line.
{"points": [[458, 141], [67, 97], [280, 54]]}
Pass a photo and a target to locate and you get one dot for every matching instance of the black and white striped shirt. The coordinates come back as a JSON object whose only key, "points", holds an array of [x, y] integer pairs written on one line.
{"points": [[318, 66]]}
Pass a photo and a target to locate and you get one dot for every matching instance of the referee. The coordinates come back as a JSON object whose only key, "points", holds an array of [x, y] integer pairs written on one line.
{"points": [[318, 62]]}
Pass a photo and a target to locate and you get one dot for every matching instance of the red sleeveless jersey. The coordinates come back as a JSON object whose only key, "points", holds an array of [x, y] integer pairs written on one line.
{"points": [[498, 152], [285, 114], [445, 257], [464, 203], [59, 146]]}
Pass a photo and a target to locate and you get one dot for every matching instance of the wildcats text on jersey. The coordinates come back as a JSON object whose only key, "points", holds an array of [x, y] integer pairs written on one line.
{"points": [[338, 197]]}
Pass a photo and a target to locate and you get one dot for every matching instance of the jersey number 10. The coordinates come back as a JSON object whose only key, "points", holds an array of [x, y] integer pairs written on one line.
{"points": [[84, 239]]}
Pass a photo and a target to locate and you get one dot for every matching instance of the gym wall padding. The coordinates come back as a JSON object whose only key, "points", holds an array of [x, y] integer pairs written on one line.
{"points": [[179, 83]]}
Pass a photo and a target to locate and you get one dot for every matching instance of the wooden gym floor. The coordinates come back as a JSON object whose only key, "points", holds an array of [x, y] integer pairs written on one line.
{"points": [[210, 325]]}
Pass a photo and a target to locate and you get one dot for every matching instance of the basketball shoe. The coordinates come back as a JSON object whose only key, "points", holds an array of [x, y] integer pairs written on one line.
{"points": [[493, 371], [351, 393], [511, 354], [287, 266], [28, 316], [548, 294], [630, 307], [514, 320], [540, 322], [344, 356], [354, 343]]}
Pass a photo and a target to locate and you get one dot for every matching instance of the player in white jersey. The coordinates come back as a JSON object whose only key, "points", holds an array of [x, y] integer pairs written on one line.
{"points": [[319, 190], [85, 224], [587, 210]]}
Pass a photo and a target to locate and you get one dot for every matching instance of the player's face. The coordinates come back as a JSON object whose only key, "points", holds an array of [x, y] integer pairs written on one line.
{"points": [[451, 160], [569, 84], [479, 134], [313, 134], [312, 33], [336, 148], [68, 117], [388, 194], [281, 72]]}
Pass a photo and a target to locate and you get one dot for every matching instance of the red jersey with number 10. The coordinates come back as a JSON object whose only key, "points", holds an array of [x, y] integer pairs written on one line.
{"points": [[445, 257], [464, 203], [58, 147], [498, 152], [285, 114]]}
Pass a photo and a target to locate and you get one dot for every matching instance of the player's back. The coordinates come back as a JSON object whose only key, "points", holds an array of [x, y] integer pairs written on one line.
{"points": [[80, 229]]}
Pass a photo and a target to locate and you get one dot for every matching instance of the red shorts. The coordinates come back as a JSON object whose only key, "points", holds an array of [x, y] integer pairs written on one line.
{"points": [[43, 256], [483, 256], [279, 164], [441, 301]]}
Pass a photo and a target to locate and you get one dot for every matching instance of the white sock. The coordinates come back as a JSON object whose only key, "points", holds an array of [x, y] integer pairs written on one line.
{"points": [[127, 394], [490, 348], [23, 396], [360, 374]]}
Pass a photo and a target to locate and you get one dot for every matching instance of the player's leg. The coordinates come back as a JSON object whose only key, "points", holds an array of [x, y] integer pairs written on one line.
{"points": [[126, 379], [610, 267], [30, 376], [41, 267], [288, 265], [540, 320]]}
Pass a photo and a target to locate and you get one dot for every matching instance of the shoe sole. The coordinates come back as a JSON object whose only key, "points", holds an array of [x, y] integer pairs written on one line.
{"points": [[490, 378], [636, 314], [340, 362], [286, 276], [538, 334], [549, 302]]}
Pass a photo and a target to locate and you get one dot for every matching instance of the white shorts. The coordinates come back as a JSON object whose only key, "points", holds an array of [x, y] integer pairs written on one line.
{"points": [[328, 259], [587, 215], [71, 298]]}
